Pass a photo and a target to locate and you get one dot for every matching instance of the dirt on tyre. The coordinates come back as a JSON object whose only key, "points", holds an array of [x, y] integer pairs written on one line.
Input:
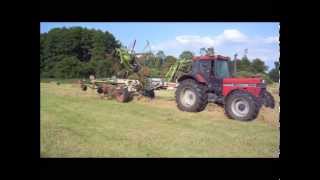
{"points": [[191, 96], [241, 106]]}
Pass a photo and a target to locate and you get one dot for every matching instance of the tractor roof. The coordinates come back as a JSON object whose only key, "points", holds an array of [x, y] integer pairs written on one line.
{"points": [[210, 58]]}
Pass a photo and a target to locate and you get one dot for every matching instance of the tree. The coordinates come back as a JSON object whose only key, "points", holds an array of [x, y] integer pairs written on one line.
{"points": [[65, 46], [42, 46], [168, 62], [69, 67], [186, 55], [258, 66], [161, 56], [110, 42], [244, 65], [274, 73], [244, 74]]}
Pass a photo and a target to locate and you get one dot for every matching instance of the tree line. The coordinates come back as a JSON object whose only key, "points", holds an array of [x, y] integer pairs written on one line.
{"points": [[77, 52], [246, 67]]}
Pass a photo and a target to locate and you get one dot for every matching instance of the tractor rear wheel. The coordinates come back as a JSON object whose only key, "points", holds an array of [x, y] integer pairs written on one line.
{"points": [[241, 106], [191, 96]]}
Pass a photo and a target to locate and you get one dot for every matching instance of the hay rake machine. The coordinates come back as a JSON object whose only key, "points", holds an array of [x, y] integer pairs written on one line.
{"points": [[123, 90]]}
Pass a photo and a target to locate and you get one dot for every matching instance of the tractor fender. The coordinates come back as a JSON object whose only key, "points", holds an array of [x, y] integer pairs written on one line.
{"points": [[197, 77], [238, 90]]}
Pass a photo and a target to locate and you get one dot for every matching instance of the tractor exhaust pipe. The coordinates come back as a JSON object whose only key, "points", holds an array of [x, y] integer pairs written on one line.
{"points": [[235, 65]]}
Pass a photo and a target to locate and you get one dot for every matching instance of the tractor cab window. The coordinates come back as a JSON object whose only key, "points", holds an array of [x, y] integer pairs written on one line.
{"points": [[221, 69], [205, 68]]}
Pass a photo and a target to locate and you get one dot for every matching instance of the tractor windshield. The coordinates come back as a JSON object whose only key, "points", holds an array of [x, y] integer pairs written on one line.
{"points": [[221, 69]]}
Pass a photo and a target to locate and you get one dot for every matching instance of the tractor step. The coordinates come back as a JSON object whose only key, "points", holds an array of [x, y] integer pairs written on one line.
{"points": [[215, 98]]}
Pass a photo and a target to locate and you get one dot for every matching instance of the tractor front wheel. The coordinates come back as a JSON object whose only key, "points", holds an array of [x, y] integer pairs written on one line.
{"points": [[241, 106]]}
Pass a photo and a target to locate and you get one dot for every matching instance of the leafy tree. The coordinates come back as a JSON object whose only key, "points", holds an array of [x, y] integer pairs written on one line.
{"points": [[110, 42], [258, 66], [90, 48], [186, 55], [69, 67], [244, 65], [168, 62], [161, 56], [274, 73], [42, 46], [265, 77], [244, 74], [155, 72]]}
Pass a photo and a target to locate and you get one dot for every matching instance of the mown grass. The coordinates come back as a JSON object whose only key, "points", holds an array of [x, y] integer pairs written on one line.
{"points": [[79, 124], [59, 81]]}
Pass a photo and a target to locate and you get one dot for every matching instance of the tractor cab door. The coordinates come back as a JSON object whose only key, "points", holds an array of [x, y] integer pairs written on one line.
{"points": [[215, 83], [205, 69]]}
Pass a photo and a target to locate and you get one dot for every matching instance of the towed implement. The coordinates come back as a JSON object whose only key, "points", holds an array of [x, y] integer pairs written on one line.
{"points": [[123, 90]]}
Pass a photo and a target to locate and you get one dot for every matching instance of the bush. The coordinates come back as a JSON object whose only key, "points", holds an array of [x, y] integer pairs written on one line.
{"points": [[266, 78], [250, 74], [69, 67], [154, 72], [244, 74], [274, 75], [101, 68]]}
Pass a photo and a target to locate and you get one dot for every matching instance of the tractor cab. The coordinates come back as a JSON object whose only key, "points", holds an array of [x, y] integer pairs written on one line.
{"points": [[212, 65], [211, 70], [214, 72]]}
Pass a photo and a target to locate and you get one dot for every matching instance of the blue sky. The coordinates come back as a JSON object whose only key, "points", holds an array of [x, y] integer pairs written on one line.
{"points": [[261, 39]]}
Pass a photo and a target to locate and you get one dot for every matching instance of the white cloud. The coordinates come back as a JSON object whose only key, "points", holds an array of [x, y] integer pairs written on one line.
{"points": [[271, 39], [227, 43], [195, 41], [231, 35], [228, 35], [188, 39]]}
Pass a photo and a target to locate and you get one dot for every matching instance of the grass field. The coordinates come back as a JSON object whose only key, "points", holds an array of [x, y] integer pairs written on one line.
{"points": [[80, 124]]}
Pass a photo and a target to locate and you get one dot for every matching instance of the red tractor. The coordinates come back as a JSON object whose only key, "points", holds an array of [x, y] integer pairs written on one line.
{"points": [[210, 81]]}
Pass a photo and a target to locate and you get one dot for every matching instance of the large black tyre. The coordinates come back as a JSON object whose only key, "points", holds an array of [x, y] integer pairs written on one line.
{"points": [[268, 99], [241, 106], [191, 96]]}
